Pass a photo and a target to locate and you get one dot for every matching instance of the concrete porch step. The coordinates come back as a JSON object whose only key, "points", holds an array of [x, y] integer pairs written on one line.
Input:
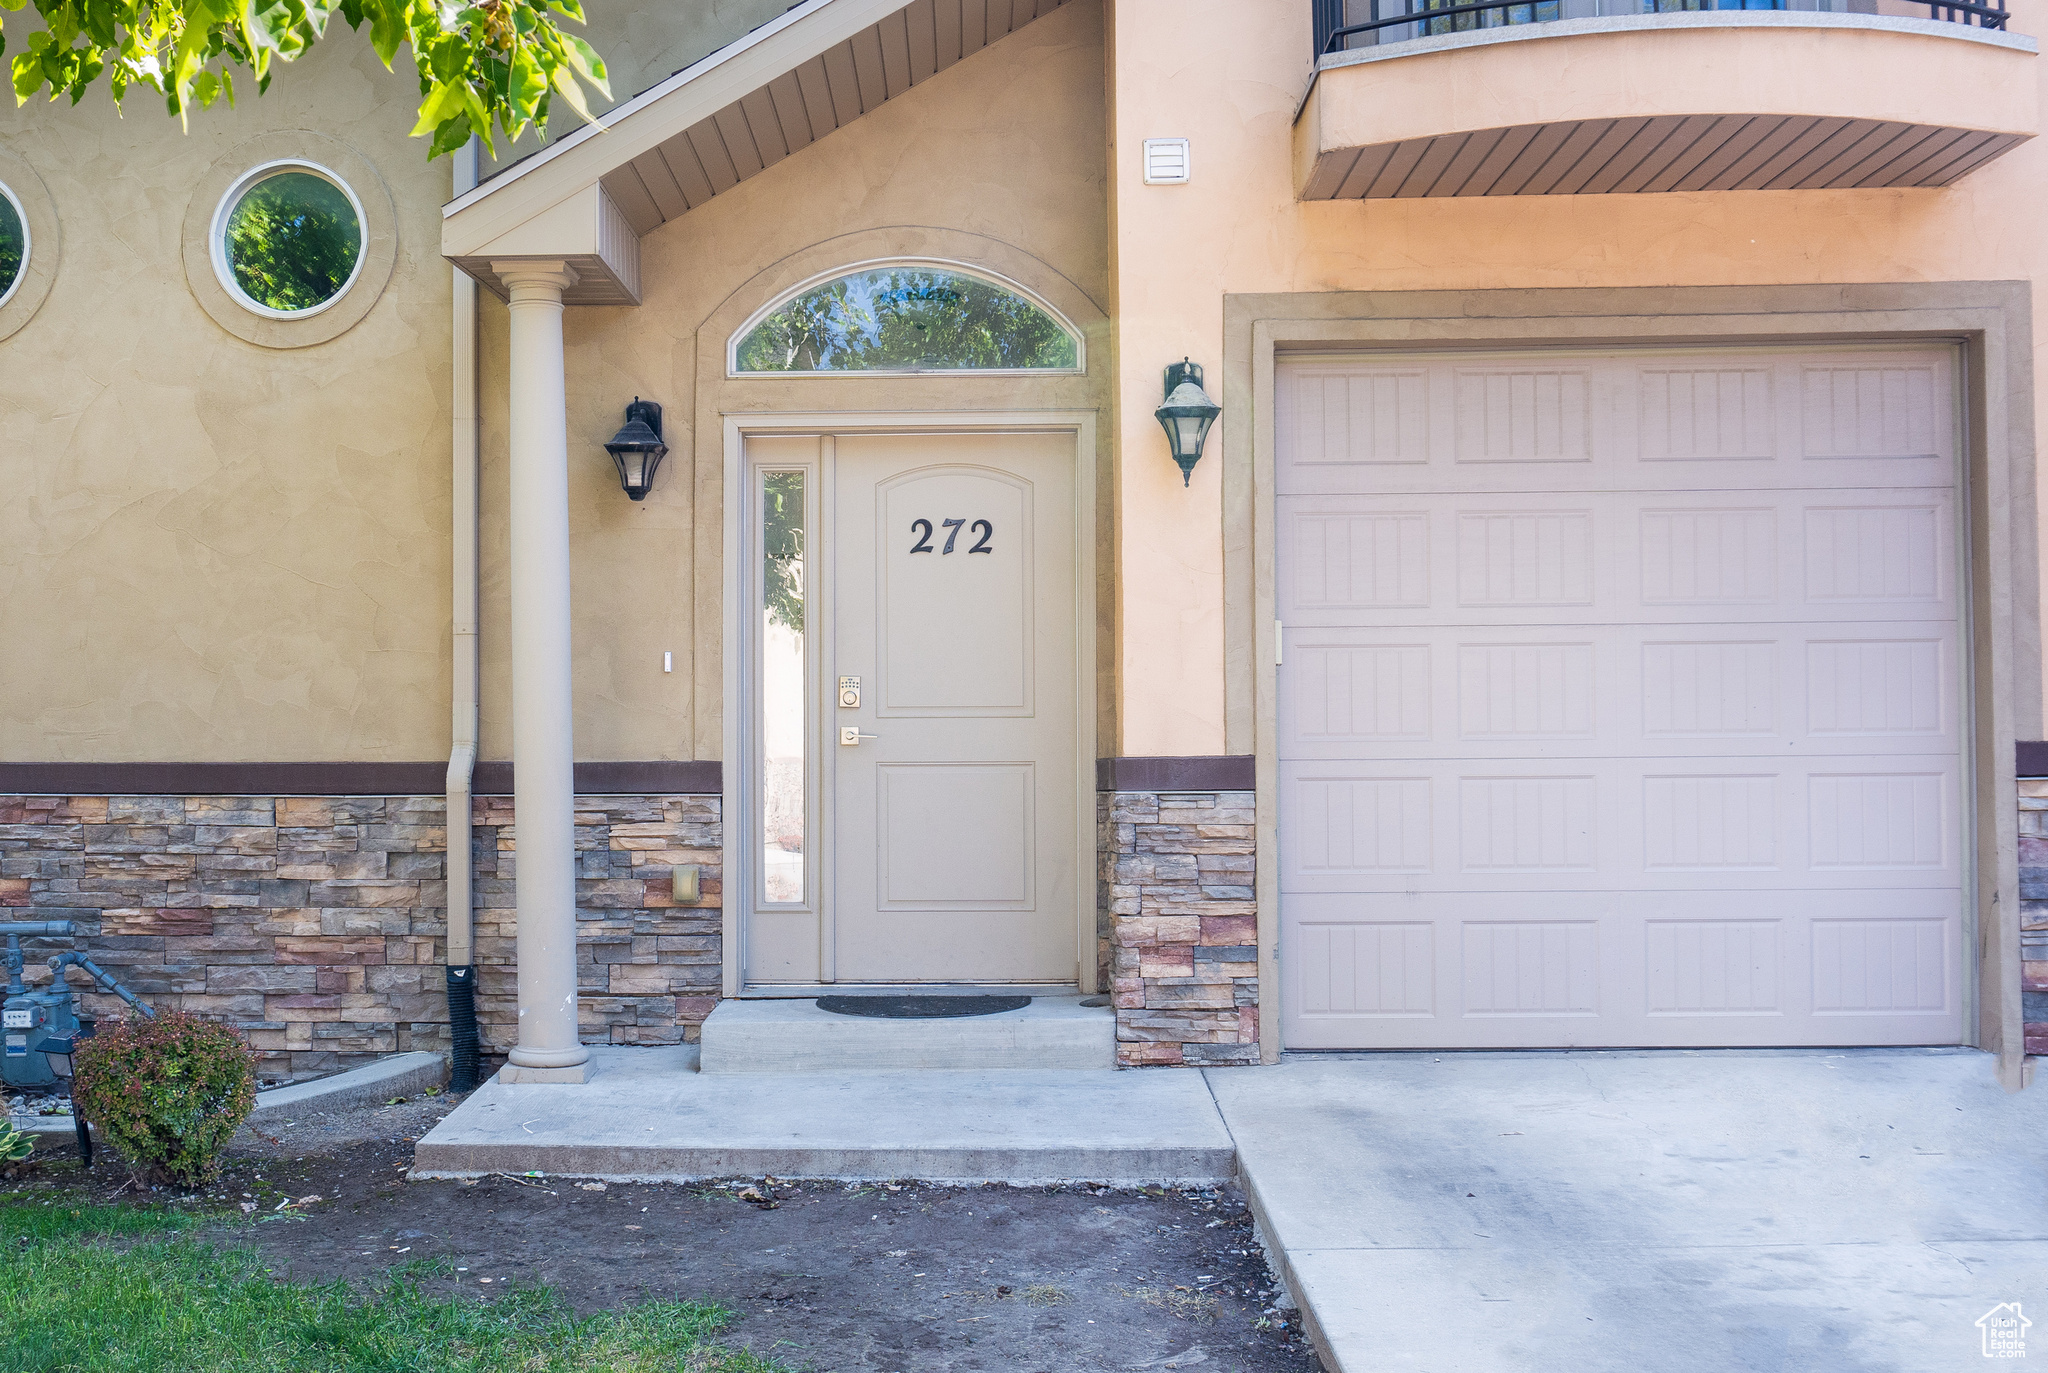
{"points": [[794, 1036], [649, 1114]]}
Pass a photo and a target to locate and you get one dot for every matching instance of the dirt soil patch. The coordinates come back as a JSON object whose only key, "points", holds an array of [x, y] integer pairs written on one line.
{"points": [[899, 1277]]}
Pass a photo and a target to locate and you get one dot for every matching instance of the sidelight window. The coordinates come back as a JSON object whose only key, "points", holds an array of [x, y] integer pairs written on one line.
{"points": [[782, 682]]}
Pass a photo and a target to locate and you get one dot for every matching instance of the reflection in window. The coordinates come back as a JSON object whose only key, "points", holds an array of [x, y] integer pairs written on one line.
{"points": [[782, 685], [291, 242], [907, 319], [13, 243], [1541, 12]]}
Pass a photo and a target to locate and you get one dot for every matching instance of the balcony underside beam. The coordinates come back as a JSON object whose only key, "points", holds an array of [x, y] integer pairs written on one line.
{"points": [[1694, 101], [1648, 154]]}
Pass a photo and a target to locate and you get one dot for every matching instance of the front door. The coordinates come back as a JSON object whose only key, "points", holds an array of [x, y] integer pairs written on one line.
{"points": [[916, 702]]}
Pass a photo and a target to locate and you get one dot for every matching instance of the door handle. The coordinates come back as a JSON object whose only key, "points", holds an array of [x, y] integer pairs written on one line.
{"points": [[851, 735]]}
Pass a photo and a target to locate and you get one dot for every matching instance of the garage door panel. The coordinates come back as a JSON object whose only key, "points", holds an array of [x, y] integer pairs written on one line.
{"points": [[1618, 557], [1574, 423], [1691, 691], [1621, 699], [1464, 970], [1842, 824]]}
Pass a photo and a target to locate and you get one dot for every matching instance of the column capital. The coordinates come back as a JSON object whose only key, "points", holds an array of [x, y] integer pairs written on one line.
{"points": [[537, 278]]}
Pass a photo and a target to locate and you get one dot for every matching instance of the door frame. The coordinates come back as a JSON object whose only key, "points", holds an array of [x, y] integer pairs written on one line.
{"points": [[739, 783], [1990, 320]]}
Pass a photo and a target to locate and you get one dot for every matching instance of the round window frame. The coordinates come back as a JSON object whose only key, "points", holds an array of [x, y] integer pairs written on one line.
{"points": [[44, 232], [993, 278], [28, 245], [305, 330], [217, 244]]}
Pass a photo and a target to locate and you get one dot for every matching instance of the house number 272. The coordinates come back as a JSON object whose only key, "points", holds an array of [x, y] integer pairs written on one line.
{"points": [[923, 530]]}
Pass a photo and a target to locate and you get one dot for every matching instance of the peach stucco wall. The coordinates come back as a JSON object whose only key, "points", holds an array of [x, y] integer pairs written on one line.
{"points": [[1229, 75]]}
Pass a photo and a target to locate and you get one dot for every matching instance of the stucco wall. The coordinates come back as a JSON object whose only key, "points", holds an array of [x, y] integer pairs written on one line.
{"points": [[217, 550], [996, 161], [212, 549], [1229, 74]]}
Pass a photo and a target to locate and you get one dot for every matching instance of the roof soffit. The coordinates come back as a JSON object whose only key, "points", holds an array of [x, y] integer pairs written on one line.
{"points": [[741, 110]]}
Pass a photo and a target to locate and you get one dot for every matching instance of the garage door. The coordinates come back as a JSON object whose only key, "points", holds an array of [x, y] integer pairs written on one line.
{"points": [[1620, 700]]}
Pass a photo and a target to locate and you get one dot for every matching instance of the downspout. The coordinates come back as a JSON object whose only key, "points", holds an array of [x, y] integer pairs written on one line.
{"points": [[462, 1071]]}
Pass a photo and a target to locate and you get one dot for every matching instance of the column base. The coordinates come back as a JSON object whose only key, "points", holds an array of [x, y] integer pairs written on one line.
{"points": [[513, 1073]]}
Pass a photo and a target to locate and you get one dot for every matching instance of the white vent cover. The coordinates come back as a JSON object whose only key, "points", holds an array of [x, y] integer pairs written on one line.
{"points": [[1166, 161]]}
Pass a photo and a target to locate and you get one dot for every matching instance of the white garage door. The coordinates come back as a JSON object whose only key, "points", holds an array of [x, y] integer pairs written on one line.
{"points": [[1621, 700]]}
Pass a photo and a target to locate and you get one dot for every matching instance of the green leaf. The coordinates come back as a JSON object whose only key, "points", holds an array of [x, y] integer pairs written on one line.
{"points": [[387, 29], [587, 63], [483, 69], [444, 104], [450, 136]]}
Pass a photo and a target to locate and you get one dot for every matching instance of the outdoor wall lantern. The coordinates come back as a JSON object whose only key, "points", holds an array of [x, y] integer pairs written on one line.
{"points": [[1186, 416], [637, 448]]}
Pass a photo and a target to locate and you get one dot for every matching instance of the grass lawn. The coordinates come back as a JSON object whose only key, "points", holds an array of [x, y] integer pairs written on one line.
{"points": [[114, 1289]]}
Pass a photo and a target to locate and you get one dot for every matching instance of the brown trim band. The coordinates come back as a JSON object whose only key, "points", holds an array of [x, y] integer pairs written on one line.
{"points": [[1210, 772], [616, 779], [2032, 760], [336, 779]]}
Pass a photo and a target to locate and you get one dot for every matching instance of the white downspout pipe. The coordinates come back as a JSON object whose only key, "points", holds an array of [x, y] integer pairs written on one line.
{"points": [[465, 673]]}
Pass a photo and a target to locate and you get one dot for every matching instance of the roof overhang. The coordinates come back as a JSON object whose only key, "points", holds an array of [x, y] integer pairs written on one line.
{"points": [[588, 197]]}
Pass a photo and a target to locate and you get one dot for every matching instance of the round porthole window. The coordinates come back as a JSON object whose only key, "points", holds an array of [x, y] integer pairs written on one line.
{"points": [[13, 244], [288, 240]]}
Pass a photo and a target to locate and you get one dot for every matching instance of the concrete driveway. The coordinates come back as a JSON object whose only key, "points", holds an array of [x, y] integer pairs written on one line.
{"points": [[1847, 1211]]}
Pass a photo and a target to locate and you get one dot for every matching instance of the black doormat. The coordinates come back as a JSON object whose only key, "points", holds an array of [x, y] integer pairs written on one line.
{"points": [[921, 1007]]}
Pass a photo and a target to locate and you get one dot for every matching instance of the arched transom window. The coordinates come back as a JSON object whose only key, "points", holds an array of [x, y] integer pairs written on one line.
{"points": [[907, 317]]}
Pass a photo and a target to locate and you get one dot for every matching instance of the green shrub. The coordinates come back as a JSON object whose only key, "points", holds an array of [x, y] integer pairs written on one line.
{"points": [[15, 1147], [166, 1093]]}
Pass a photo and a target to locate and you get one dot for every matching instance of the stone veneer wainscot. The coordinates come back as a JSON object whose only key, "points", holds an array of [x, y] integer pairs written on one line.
{"points": [[1177, 925], [317, 924]]}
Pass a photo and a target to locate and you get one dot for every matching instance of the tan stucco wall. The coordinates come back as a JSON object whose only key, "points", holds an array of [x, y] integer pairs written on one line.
{"points": [[211, 549], [1229, 74], [214, 550], [996, 162]]}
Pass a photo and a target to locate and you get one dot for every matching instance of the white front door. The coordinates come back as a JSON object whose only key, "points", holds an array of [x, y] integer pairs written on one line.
{"points": [[915, 710], [1622, 699]]}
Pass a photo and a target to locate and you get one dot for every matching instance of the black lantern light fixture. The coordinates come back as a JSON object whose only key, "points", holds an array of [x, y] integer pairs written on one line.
{"points": [[637, 448], [1186, 416]]}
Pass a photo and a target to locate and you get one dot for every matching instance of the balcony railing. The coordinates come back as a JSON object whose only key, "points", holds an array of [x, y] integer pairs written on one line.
{"points": [[1343, 25]]}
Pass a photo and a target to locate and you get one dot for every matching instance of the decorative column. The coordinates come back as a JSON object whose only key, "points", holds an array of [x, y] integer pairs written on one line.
{"points": [[543, 747]]}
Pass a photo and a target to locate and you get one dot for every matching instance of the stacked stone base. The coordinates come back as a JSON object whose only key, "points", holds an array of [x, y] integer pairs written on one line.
{"points": [[1177, 925], [317, 925]]}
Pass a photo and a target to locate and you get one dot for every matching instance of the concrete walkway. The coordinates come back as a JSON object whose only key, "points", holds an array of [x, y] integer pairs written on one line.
{"points": [[1673, 1211], [648, 1113], [1676, 1212]]}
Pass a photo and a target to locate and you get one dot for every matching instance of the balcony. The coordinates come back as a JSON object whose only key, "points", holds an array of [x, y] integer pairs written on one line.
{"points": [[1573, 97]]}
